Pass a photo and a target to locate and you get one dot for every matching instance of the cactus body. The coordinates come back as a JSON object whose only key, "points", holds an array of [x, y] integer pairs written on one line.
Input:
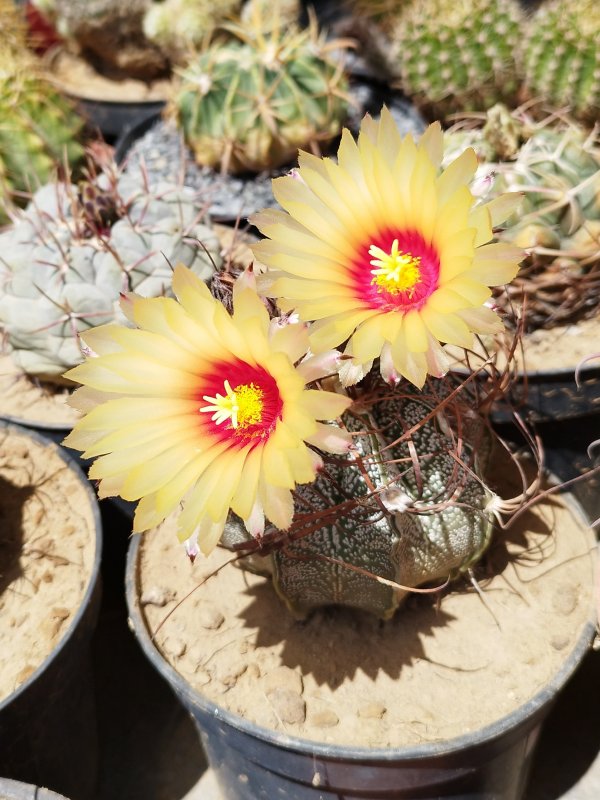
{"points": [[177, 25], [73, 251], [39, 127], [562, 56], [249, 104], [451, 56], [557, 168], [383, 535]]}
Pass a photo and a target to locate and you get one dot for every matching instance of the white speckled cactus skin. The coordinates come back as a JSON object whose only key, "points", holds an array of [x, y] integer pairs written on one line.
{"points": [[416, 530], [59, 277]]}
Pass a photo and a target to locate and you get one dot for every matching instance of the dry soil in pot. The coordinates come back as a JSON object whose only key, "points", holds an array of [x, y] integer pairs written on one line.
{"points": [[444, 666], [47, 550]]}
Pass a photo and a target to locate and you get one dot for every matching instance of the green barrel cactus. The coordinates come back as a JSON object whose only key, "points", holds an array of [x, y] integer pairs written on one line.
{"points": [[402, 508], [562, 56], [250, 103], [557, 169], [451, 56], [39, 127], [75, 248]]}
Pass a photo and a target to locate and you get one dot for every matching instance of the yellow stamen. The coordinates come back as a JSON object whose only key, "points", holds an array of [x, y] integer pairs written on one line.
{"points": [[242, 405], [395, 271]]}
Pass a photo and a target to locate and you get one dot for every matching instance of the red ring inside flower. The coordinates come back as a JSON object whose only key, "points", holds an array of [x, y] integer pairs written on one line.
{"points": [[374, 294], [240, 374]]}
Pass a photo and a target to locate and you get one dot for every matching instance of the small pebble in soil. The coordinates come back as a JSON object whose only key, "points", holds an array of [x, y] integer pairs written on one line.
{"points": [[202, 677], [24, 674], [282, 678], [324, 719], [288, 706], [565, 600], [229, 673], [559, 641], [156, 596], [372, 711], [209, 617], [253, 670], [174, 646]]}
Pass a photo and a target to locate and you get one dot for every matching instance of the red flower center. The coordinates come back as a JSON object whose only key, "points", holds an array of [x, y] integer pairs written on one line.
{"points": [[240, 402], [396, 271]]}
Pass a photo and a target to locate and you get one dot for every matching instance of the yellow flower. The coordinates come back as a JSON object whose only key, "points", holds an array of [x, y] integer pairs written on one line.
{"points": [[198, 407], [386, 252]]}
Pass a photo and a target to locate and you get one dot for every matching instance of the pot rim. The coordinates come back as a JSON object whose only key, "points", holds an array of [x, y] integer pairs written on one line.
{"points": [[72, 464], [27, 791], [496, 730], [587, 371]]}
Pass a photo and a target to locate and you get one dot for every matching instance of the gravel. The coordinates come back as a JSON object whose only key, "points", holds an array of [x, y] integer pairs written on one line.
{"points": [[156, 147]]}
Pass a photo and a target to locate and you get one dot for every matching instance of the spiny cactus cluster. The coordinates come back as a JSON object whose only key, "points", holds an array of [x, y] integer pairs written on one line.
{"points": [[76, 248], [409, 522], [39, 127], [561, 56], [451, 56], [557, 168], [176, 26], [249, 103]]}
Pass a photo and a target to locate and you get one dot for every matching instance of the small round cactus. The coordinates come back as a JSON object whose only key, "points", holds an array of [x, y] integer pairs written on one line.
{"points": [[402, 511], [557, 169], [250, 103], [453, 56], [562, 56], [76, 248]]}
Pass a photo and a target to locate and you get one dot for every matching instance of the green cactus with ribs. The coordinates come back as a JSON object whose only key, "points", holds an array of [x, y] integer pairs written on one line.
{"points": [[449, 56], [400, 512], [248, 103], [39, 127], [76, 247], [562, 56]]}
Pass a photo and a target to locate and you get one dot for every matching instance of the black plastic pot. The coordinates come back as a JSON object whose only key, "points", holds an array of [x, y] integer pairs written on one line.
{"points": [[48, 725], [255, 763], [550, 395], [13, 790], [113, 119]]}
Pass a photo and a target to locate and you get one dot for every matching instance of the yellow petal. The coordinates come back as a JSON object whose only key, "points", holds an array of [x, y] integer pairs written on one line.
{"points": [[474, 291], [459, 173], [278, 505], [367, 340], [497, 263], [331, 438], [412, 366], [331, 332], [481, 320], [244, 496], [415, 332], [325, 405], [432, 142], [447, 328], [501, 208]]}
